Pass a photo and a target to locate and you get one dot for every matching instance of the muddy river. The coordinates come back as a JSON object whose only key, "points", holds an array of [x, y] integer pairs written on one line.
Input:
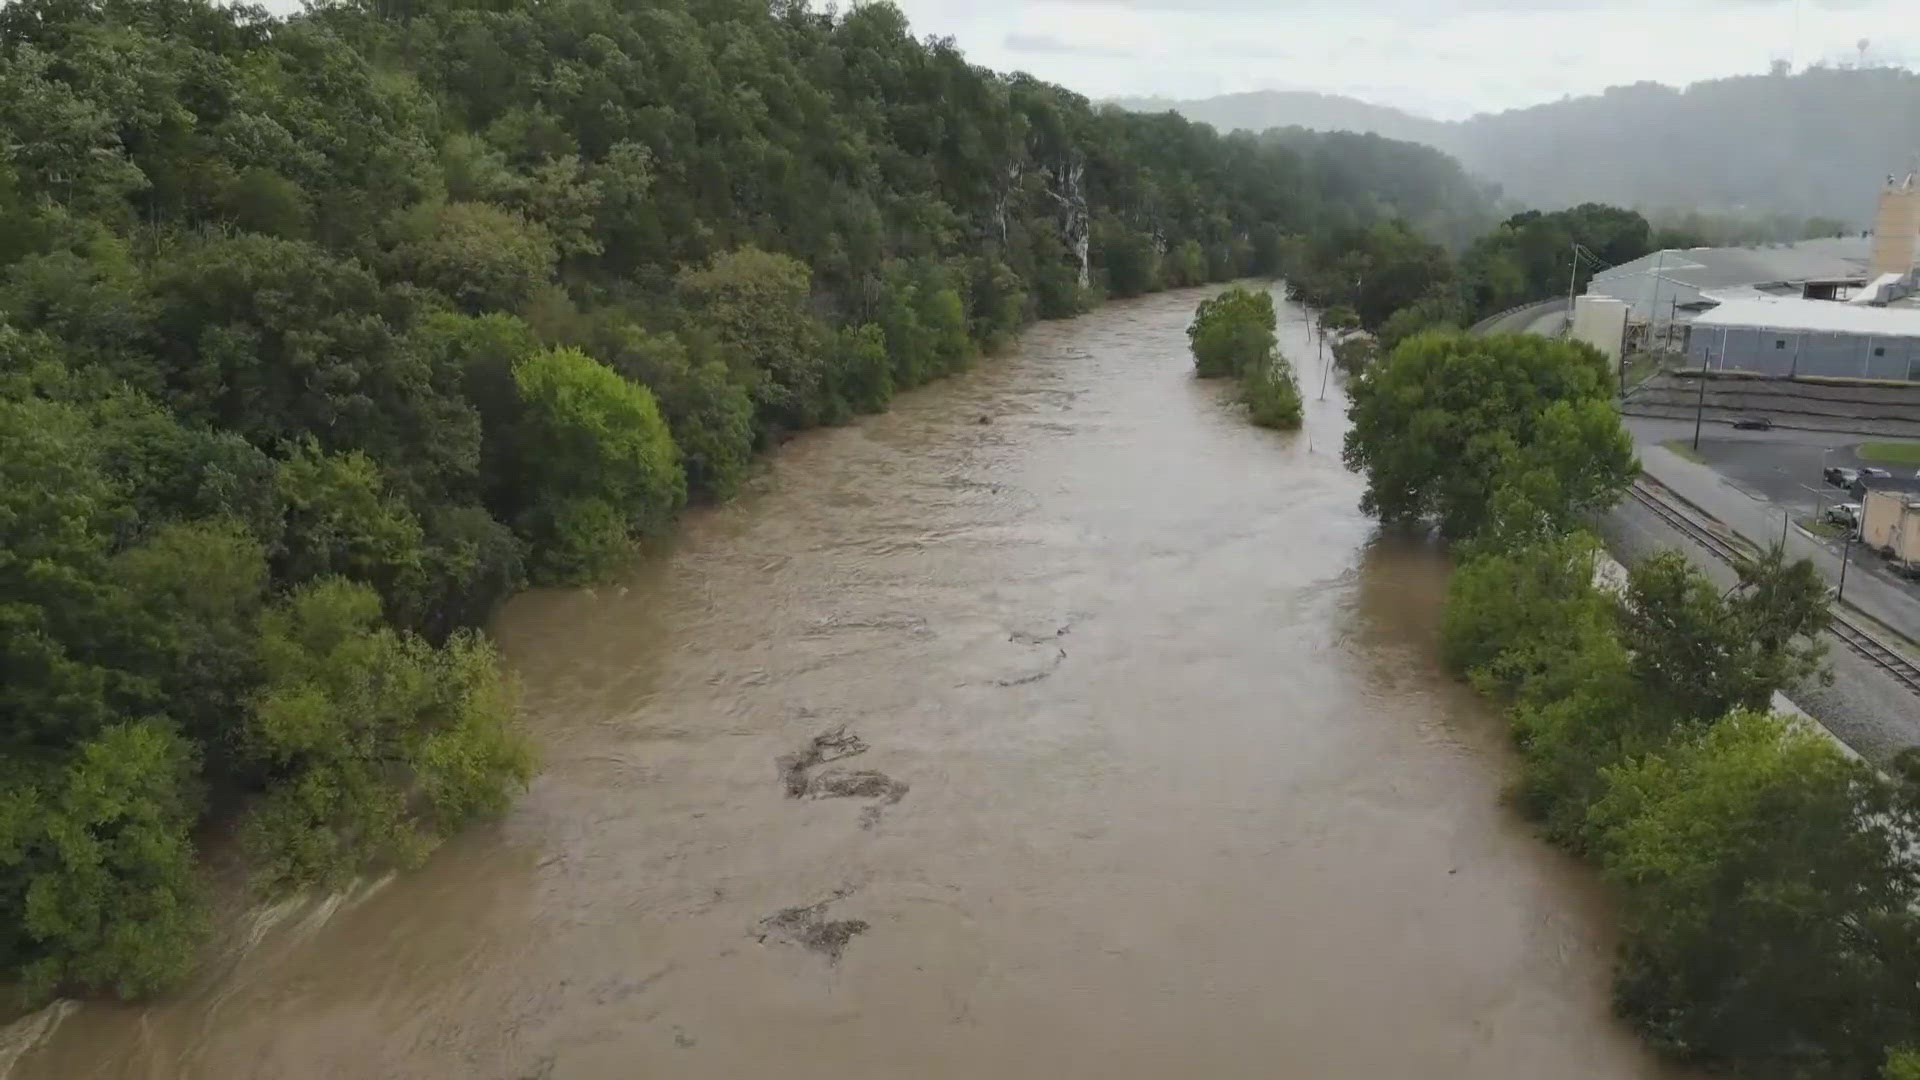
{"points": [[1057, 724]]}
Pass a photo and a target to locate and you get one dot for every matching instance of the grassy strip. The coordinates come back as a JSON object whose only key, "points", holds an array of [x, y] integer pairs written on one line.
{"points": [[1821, 527], [1685, 449], [1890, 453]]}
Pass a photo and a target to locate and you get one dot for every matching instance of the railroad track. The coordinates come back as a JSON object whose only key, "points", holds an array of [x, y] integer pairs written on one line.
{"points": [[1851, 631]]}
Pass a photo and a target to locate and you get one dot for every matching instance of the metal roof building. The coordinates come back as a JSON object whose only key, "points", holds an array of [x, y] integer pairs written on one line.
{"points": [[1794, 337], [1671, 284]]}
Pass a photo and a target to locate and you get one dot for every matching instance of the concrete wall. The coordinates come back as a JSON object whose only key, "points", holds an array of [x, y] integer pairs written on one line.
{"points": [[1792, 352], [1896, 231], [1601, 322], [1890, 524], [1880, 513]]}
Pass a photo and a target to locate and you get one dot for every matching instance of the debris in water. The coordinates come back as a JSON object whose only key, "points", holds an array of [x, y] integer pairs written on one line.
{"points": [[856, 784], [1029, 637], [1060, 656], [832, 746], [802, 783], [808, 928]]}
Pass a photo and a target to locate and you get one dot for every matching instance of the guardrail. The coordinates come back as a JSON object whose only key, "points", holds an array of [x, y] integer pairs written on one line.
{"points": [[1487, 323]]}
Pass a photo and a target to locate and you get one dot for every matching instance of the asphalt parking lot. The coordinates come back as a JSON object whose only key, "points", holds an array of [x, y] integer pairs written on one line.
{"points": [[1781, 467], [1778, 466]]}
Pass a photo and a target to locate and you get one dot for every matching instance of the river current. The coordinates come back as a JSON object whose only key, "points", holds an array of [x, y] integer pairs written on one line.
{"points": [[1058, 723]]}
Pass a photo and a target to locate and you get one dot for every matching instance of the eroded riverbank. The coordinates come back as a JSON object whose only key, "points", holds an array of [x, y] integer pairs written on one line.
{"points": [[1101, 739]]}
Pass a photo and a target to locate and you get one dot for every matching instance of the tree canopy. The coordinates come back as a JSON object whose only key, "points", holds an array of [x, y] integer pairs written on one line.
{"points": [[1446, 419]]}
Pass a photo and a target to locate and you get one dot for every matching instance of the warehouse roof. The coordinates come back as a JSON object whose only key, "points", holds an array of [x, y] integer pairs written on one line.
{"points": [[1821, 316], [1706, 268], [1659, 282]]}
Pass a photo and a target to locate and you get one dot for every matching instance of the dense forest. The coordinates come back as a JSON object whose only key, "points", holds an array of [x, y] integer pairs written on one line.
{"points": [[319, 336], [1812, 144]]}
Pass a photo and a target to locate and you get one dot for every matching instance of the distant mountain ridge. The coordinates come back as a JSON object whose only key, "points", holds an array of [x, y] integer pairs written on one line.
{"points": [[1261, 110], [1816, 143]]}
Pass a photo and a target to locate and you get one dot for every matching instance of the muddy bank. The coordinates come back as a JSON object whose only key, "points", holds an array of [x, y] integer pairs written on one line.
{"points": [[1102, 739]]}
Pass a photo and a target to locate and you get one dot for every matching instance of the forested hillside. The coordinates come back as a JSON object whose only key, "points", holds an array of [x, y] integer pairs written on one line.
{"points": [[320, 336], [1813, 144]]}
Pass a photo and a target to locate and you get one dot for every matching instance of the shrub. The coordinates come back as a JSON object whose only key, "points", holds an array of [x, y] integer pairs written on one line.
{"points": [[1270, 395]]}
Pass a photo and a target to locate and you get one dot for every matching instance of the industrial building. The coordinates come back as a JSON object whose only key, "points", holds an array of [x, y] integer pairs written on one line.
{"points": [[1840, 308], [1792, 338], [1681, 282]]}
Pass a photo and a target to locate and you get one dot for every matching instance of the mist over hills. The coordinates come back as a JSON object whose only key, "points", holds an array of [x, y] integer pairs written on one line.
{"points": [[1819, 142], [1261, 110]]}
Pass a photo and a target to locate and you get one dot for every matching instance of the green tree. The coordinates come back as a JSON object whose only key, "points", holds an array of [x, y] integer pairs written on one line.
{"points": [[185, 604], [754, 303], [708, 411], [379, 743], [862, 371], [1233, 333], [97, 887], [484, 257], [1700, 654], [1437, 310], [596, 462], [58, 513], [342, 519], [1770, 900], [1438, 422], [1268, 390]]}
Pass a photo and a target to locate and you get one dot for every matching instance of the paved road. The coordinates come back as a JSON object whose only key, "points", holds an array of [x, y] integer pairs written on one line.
{"points": [[1778, 472], [1887, 600], [1545, 317]]}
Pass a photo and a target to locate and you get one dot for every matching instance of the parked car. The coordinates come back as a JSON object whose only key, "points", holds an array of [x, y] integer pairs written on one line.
{"points": [[1845, 515], [1840, 477], [1753, 423]]}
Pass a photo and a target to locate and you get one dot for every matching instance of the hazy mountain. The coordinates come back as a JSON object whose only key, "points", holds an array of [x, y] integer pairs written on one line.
{"points": [[1819, 142], [1262, 110]]}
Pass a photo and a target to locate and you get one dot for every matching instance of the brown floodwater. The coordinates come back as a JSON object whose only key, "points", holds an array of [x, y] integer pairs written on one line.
{"points": [[1120, 751]]}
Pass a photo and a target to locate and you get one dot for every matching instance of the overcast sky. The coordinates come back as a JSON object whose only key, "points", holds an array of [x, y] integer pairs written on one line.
{"points": [[1441, 58]]}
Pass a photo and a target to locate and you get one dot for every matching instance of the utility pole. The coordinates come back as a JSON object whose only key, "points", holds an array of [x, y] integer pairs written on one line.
{"points": [[1573, 276], [1700, 405], [1325, 366], [1653, 305], [1845, 550]]}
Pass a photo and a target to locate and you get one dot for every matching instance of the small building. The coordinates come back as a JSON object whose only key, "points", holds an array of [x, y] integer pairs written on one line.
{"points": [[1790, 338], [1890, 525], [1601, 321]]}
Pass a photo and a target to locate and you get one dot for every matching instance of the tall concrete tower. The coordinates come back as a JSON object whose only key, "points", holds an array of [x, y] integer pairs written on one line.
{"points": [[1896, 232]]}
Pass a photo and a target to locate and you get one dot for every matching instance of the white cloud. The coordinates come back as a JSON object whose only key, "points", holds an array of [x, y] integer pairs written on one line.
{"points": [[1445, 58]]}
